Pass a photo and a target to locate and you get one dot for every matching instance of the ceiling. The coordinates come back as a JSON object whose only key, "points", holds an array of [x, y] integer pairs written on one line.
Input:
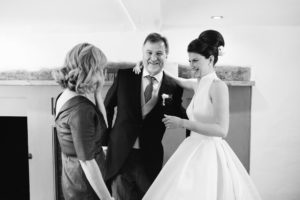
{"points": [[141, 15]]}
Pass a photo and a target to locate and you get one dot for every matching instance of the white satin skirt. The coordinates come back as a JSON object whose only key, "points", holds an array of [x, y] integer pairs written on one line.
{"points": [[203, 168]]}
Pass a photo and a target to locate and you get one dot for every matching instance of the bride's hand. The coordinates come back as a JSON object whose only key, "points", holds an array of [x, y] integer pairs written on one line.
{"points": [[137, 68], [172, 121]]}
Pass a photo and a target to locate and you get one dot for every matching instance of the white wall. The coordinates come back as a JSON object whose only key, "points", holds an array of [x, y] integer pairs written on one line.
{"points": [[271, 52]]}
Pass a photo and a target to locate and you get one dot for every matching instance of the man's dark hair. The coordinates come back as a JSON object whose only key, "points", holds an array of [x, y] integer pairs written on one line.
{"points": [[156, 37]]}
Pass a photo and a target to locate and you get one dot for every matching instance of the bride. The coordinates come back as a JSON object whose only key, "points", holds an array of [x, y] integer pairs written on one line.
{"points": [[204, 166]]}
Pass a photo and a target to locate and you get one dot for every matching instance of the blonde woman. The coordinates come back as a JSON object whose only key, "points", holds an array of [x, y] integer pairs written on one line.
{"points": [[80, 123]]}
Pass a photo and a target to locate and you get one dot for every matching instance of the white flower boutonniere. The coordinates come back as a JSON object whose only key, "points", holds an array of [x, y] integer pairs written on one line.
{"points": [[165, 97]]}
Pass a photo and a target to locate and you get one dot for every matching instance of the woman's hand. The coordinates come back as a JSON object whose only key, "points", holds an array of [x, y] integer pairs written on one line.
{"points": [[172, 121], [137, 68]]}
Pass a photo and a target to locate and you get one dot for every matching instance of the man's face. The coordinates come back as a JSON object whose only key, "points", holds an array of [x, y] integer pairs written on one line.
{"points": [[154, 57]]}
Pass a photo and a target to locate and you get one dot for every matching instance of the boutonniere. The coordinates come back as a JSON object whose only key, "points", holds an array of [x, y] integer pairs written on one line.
{"points": [[165, 98]]}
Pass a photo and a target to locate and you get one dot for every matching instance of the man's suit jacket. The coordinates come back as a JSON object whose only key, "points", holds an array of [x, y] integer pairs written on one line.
{"points": [[125, 93]]}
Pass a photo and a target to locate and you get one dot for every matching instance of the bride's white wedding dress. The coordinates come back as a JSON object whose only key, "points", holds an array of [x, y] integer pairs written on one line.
{"points": [[203, 167]]}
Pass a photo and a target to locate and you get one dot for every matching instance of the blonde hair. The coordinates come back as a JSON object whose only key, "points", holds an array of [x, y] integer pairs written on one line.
{"points": [[83, 69]]}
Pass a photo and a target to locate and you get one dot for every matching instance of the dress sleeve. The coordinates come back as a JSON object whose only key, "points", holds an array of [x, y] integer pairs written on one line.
{"points": [[83, 122]]}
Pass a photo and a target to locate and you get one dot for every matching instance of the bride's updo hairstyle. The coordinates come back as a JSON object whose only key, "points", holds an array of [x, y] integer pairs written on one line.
{"points": [[82, 70], [209, 43]]}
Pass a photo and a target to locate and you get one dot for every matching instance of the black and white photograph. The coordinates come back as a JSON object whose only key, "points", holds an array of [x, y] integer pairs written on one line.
{"points": [[150, 100]]}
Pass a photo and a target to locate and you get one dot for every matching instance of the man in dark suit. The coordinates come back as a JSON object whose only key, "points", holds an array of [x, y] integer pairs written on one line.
{"points": [[135, 151]]}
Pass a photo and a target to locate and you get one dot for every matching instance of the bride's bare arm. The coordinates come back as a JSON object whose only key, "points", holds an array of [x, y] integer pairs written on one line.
{"points": [[182, 82]]}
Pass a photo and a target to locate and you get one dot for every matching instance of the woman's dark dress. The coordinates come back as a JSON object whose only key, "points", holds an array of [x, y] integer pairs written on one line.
{"points": [[80, 127]]}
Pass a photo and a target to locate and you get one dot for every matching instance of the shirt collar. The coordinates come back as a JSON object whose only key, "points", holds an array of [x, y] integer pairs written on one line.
{"points": [[158, 76]]}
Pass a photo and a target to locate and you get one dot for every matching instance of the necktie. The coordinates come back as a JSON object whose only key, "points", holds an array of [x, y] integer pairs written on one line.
{"points": [[149, 88]]}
